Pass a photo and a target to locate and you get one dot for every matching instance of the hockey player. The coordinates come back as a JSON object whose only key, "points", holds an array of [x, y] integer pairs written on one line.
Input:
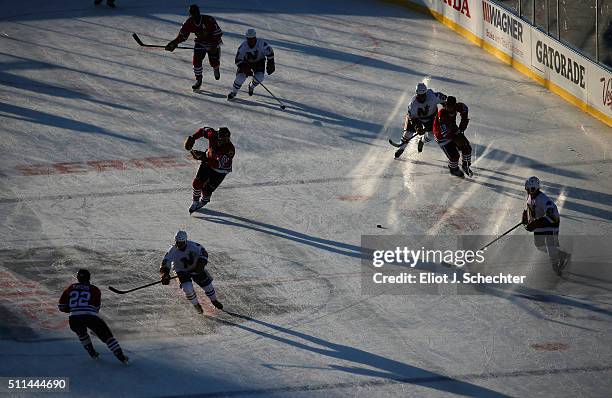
{"points": [[451, 137], [188, 259], [216, 163], [207, 41], [251, 61], [82, 301], [541, 217], [422, 110]]}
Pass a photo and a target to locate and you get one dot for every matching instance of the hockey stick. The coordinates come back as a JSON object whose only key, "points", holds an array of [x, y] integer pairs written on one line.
{"points": [[501, 236], [140, 43], [397, 145], [112, 289], [262, 85]]}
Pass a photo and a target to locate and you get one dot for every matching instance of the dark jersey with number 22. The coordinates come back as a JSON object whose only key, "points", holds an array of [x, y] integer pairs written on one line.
{"points": [[80, 299]]}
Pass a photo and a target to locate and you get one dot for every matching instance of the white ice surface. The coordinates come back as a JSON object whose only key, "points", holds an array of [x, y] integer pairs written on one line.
{"points": [[284, 229]]}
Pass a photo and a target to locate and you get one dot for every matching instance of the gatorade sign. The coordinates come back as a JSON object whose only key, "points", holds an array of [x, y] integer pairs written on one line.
{"points": [[559, 64], [555, 60]]}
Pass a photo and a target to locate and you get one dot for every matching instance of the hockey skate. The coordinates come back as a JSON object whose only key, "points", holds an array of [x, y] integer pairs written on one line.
{"points": [[466, 168], [195, 206], [456, 172], [197, 84], [92, 352], [251, 89], [217, 73], [217, 304], [231, 96], [420, 146], [198, 308], [563, 263], [122, 358]]}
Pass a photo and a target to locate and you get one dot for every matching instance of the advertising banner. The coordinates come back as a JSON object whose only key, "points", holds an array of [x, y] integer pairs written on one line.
{"points": [[558, 64], [506, 32]]}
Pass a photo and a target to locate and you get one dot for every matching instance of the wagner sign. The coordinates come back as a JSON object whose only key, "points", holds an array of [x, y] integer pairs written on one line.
{"points": [[502, 21], [506, 32]]}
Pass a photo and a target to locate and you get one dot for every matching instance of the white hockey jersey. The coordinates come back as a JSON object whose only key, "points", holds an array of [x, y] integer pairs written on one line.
{"points": [[254, 54], [184, 261], [543, 206], [425, 111]]}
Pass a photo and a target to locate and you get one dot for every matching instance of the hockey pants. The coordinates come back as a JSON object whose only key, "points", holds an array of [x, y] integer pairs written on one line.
{"points": [[206, 182], [199, 52], [452, 148]]}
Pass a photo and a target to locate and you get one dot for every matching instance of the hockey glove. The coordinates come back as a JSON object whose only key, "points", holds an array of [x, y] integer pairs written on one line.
{"points": [[463, 124], [537, 223], [199, 155], [245, 69], [171, 46], [200, 264], [270, 68], [165, 279], [189, 143]]}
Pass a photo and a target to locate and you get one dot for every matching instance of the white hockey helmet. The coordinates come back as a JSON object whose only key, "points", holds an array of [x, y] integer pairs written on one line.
{"points": [[250, 33], [181, 236], [421, 89], [532, 184]]}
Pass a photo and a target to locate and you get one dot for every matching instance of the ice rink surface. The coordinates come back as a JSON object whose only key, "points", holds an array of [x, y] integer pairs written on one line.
{"points": [[93, 174]]}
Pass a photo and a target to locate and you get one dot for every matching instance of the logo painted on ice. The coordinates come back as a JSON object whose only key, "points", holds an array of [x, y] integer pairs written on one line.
{"points": [[606, 92], [459, 5]]}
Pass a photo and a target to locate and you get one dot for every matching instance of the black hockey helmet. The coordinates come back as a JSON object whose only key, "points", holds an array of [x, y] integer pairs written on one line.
{"points": [[223, 134], [451, 103], [194, 11], [83, 275]]}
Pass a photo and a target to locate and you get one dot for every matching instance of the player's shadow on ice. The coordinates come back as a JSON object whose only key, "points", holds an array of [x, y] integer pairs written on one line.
{"points": [[280, 232], [49, 119], [366, 363], [209, 93], [513, 185], [367, 131]]}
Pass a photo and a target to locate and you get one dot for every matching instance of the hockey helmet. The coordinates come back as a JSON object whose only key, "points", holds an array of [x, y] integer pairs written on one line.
{"points": [[451, 104], [194, 11], [421, 92], [83, 275], [181, 236], [421, 89], [250, 33], [532, 184], [223, 134]]}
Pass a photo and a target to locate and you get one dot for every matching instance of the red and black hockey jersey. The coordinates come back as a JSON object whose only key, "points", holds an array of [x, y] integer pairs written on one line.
{"points": [[219, 155], [207, 31], [80, 299], [445, 124]]}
